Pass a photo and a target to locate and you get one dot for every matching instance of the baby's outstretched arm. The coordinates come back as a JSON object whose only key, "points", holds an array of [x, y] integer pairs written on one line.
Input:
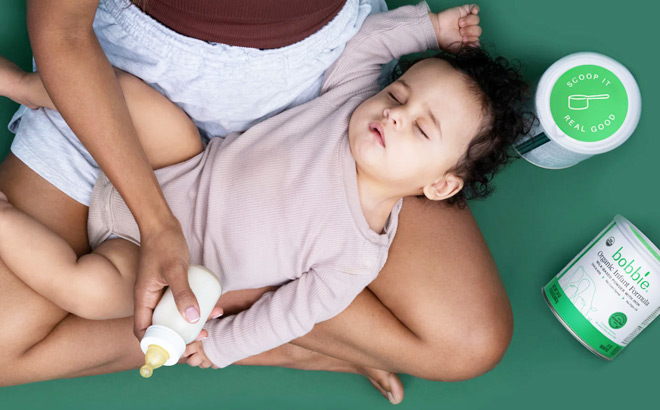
{"points": [[95, 286], [457, 26]]}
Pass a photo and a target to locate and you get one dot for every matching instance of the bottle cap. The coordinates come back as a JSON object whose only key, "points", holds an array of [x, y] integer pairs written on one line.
{"points": [[165, 338]]}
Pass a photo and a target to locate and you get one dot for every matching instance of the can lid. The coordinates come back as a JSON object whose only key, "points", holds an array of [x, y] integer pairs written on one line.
{"points": [[588, 103], [166, 338]]}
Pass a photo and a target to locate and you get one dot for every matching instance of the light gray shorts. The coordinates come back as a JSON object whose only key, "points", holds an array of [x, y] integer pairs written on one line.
{"points": [[222, 88]]}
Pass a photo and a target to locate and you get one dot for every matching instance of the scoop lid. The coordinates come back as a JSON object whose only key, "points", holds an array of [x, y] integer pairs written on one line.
{"points": [[588, 103]]}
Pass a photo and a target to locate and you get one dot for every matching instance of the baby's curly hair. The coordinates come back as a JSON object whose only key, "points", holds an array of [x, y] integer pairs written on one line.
{"points": [[502, 93]]}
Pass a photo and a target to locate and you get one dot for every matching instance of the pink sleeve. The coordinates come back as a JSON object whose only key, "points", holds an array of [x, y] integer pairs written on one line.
{"points": [[278, 317], [383, 37]]}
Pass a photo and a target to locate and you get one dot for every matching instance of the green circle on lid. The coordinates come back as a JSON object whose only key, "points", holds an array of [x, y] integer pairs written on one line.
{"points": [[589, 103]]}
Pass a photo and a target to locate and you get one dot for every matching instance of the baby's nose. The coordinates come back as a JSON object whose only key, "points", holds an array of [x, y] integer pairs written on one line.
{"points": [[393, 116]]}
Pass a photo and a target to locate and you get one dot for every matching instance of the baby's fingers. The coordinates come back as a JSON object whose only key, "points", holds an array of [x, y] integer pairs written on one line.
{"points": [[468, 9], [200, 360], [470, 34], [470, 20], [195, 360]]}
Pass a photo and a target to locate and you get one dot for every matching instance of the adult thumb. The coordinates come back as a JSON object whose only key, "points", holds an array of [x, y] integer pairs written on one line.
{"points": [[184, 297]]}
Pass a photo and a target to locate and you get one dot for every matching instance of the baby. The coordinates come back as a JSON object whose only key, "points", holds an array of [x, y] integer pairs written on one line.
{"points": [[307, 200]]}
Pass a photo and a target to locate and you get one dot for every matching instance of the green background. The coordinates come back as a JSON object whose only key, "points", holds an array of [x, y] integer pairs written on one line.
{"points": [[536, 221]]}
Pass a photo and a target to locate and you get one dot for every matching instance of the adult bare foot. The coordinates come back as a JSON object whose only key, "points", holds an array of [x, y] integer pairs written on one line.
{"points": [[16, 84], [387, 383], [290, 355]]}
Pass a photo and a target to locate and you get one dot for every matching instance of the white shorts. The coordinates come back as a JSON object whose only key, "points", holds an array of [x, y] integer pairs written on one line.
{"points": [[222, 88]]}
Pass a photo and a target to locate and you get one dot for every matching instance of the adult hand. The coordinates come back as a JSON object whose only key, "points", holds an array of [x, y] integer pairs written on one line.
{"points": [[457, 27], [164, 262]]}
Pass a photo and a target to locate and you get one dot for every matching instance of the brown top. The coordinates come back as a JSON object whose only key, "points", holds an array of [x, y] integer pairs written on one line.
{"points": [[246, 23]]}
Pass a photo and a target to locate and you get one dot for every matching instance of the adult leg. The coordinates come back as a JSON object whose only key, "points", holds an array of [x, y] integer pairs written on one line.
{"points": [[438, 309], [395, 336], [46, 343]]}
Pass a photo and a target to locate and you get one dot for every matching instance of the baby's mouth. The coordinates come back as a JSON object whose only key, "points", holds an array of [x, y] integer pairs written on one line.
{"points": [[378, 132]]}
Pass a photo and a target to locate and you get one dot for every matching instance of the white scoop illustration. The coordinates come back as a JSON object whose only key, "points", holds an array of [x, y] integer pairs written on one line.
{"points": [[581, 101]]}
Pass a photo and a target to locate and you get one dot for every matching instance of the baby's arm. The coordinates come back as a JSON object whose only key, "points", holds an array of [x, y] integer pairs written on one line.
{"points": [[166, 133], [285, 314], [389, 36], [95, 286]]}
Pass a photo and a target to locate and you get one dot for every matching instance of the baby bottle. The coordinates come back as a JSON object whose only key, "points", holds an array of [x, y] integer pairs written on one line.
{"points": [[165, 340]]}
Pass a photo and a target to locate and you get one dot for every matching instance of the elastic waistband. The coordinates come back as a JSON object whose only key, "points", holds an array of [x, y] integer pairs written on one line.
{"points": [[164, 41]]}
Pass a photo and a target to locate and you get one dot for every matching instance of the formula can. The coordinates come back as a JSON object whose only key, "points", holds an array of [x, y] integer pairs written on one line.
{"points": [[610, 291], [587, 104]]}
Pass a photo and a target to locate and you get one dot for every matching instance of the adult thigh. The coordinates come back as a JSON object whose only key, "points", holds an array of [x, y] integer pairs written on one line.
{"points": [[441, 282]]}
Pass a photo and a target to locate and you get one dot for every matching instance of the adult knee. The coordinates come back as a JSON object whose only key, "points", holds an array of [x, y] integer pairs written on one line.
{"points": [[469, 351]]}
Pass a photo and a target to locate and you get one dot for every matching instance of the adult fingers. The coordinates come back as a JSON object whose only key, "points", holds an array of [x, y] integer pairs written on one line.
{"points": [[177, 278], [216, 312], [147, 294], [202, 335]]}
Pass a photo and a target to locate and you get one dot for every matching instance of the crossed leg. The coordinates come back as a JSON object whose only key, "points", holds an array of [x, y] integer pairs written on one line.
{"points": [[437, 310]]}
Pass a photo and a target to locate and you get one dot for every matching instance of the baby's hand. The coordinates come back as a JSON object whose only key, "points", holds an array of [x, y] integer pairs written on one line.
{"points": [[457, 27], [195, 356]]}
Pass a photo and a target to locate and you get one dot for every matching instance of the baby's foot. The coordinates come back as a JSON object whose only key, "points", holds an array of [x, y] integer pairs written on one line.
{"points": [[14, 83]]}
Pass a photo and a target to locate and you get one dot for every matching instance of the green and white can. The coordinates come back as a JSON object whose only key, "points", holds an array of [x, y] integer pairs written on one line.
{"points": [[610, 291], [587, 104]]}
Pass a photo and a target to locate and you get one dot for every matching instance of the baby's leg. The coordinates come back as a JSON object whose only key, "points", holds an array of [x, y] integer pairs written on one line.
{"points": [[166, 133], [23, 87], [95, 286]]}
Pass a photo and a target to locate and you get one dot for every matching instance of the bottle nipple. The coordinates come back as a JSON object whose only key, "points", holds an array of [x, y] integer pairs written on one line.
{"points": [[155, 357]]}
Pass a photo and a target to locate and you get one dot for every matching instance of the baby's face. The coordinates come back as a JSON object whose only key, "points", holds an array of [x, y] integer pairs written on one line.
{"points": [[416, 129]]}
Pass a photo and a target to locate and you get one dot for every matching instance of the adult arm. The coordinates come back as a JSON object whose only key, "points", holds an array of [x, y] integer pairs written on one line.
{"points": [[79, 79]]}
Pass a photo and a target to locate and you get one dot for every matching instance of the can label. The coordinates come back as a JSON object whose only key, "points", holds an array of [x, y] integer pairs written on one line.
{"points": [[589, 103], [611, 291]]}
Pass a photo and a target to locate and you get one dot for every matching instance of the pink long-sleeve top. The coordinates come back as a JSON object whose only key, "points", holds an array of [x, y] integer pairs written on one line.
{"points": [[278, 204]]}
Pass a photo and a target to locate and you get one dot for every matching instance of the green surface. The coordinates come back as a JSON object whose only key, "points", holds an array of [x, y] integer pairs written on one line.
{"points": [[535, 223]]}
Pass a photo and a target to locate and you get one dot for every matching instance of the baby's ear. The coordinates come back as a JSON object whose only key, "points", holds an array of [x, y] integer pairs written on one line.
{"points": [[443, 188]]}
